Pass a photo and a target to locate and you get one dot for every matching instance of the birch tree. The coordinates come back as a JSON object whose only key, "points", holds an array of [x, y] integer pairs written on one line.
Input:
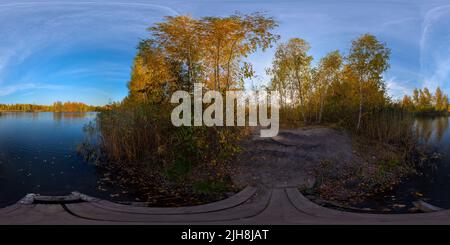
{"points": [[328, 71], [368, 59], [292, 66]]}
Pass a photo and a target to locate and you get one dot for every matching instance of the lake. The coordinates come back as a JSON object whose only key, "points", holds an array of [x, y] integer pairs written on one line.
{"points": [[432, 184], [434, 181], [38, 155]]}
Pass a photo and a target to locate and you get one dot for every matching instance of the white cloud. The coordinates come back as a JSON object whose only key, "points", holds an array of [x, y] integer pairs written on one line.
{"points": [[8, 90], [434, 49], [396, 88], [28, 28]]}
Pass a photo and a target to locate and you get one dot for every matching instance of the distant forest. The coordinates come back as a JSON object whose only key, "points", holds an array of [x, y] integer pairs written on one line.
{"points": [[55, 107]]}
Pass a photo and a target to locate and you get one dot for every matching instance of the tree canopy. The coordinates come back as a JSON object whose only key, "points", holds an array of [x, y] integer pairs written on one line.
{"points": [[182, 51], [338, 87], [423, 101]]}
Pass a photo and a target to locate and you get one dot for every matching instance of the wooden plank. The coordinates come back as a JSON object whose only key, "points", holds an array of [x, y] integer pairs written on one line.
{"points": [[243, 211], [230, 202]]}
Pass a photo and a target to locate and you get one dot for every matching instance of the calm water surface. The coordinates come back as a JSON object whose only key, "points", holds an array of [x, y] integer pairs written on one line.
{"points": [[433, 183], [38, 155]]}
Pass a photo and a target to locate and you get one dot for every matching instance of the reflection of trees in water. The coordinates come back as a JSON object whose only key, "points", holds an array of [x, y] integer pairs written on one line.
{"points": [[2, 169], [423, 128], [427, 127], [34, 115], [58, 116], [441, 127]]}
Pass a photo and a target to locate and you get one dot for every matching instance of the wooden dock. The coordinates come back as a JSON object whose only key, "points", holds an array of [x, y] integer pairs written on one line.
{"points": [[250, 206]]}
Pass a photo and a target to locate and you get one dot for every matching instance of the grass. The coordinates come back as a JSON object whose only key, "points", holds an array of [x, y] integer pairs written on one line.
{"points": [[210, 186]]}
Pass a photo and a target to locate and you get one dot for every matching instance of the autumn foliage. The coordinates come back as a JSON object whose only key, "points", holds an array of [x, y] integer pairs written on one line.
{"points": [[55, 107], [137, 133], [423, 101]]}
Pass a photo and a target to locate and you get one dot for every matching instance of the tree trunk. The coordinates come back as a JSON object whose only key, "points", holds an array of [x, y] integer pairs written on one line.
{"points": [[321, 110], [360, 106], [217, 67], [300, 95], [229, 64]]}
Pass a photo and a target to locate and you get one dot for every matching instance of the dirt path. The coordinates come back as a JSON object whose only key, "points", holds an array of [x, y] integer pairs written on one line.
{"points": [[289, 159]]}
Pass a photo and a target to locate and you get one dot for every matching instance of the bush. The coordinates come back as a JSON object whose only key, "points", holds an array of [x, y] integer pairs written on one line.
{"points": [[138, 138]]}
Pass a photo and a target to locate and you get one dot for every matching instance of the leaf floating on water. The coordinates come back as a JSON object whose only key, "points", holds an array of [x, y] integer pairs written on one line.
{"points": [[418, 194], [399, 205]]}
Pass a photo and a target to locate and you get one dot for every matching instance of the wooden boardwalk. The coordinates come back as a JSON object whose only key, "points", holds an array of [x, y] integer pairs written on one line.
{"points": [[250, 206]]}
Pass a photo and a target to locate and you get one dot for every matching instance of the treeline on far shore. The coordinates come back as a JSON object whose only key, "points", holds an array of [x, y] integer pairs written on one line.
{"points": [[55, 107], [424, 103]]}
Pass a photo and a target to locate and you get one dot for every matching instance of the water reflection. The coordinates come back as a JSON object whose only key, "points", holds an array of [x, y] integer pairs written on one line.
{"points": [[431, 130], [58, 116], [433, 180], [38, 155], [442, 126]]}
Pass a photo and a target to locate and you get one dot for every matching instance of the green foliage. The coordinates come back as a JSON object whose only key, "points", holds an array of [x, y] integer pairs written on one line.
{"points": [[179, 169], [210, 186]]}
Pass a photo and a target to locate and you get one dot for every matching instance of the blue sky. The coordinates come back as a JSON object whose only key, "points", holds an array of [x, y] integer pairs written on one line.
{"points": [[83, 50]]}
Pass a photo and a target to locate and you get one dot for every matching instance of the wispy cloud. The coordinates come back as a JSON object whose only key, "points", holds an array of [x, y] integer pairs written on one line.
{"points": [[434, 47], [59, 26], [8, 90], [61, 41], [90, 44], [397, 88], [429, 20]]}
